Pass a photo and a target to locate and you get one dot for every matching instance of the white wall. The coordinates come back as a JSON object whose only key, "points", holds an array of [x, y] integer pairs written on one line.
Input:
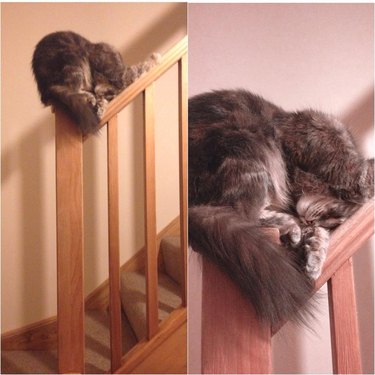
{"points": [[296, 55], [28, 153]]}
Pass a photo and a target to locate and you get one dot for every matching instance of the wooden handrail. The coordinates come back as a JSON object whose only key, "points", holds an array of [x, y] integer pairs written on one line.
{"points": [[123, 99], [346, 240]]}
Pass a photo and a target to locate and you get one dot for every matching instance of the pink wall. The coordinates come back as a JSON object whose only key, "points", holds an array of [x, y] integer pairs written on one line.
{"points": [[296, 55]]}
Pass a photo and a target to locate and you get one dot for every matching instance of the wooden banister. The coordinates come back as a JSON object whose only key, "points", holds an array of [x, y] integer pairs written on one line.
{"points": [[346, 240], [168, 60], [230, 330], [69, 143]]}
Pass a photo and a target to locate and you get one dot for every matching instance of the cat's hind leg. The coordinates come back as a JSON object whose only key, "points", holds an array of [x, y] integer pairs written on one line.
{"points": [[64, 91], [80, 106]]}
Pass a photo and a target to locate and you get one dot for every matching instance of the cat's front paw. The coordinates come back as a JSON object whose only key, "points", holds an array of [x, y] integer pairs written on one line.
{"points": [[90, 98], [316, 246], [101, 107], [291, 235], [156, 58]]}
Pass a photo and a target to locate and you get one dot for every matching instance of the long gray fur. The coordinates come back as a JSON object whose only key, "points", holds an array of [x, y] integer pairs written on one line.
{"points": [[252, 164]]}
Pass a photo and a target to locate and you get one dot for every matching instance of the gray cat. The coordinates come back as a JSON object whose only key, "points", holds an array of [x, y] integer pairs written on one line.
{"points": [[252, 164], [82, 77]]}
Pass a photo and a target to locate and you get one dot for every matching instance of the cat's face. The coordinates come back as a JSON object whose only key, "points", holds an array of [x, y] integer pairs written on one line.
{"points": [[317, 210]]}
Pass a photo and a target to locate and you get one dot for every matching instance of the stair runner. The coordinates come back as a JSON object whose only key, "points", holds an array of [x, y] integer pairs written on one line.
{"points": [[97, 322], [133, 288]]}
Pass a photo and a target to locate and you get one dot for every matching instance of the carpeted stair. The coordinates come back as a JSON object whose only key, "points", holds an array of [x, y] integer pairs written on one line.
{"points": [[97, 355], [133, 288]]}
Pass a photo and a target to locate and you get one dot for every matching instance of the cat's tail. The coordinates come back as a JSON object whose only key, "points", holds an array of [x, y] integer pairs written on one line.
{"points": [[271, 280], [79, 109]]}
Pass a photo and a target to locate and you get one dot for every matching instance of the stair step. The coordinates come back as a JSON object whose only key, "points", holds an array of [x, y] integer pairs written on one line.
{"points": [[97, 349], [171, 252], [133, 299]]}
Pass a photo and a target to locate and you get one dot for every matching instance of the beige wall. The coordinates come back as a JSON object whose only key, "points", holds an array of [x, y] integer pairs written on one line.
{"points": [[28, 170], [296, 55]]}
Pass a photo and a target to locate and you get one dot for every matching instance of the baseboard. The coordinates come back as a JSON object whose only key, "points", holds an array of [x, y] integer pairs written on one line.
{"points": [[42, 335]]}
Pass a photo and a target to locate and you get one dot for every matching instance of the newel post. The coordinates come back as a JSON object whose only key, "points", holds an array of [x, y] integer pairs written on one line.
{"points": [[69, 212], [234, 341]]}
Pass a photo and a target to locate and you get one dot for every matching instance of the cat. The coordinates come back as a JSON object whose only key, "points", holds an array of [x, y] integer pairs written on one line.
{"points": [[82, 77], [252, 165]]}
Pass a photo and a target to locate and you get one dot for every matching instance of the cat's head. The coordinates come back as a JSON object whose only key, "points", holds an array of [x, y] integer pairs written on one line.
{"points": [[363, 188]]}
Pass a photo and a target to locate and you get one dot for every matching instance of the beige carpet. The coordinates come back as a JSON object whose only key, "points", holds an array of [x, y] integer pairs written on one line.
{"points": [[97, 356], [133, 296]]}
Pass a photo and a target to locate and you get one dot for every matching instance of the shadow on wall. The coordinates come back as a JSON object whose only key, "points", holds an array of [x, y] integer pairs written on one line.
{"points": [[26, 159], [360, 119], [155, 35]]}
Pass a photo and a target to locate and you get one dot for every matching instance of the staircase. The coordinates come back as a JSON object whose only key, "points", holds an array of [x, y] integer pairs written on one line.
{"points": [[97, 322], [161, 346], [133, 288]]}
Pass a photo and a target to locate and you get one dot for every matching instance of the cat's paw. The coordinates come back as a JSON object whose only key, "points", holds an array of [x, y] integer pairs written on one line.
{"points": [[91, 99], [101, 107], [316, 246], [156, 58], [291, 235]]}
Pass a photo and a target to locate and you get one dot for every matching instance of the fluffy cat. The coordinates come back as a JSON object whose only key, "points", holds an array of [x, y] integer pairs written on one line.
{"points": [[252, 164], [82, 77]]}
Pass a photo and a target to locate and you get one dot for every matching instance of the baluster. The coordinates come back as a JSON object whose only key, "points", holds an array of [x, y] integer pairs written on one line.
{"points": [[150, 214], [114, 245], [183, 80], [346, 355], [69, 210]]}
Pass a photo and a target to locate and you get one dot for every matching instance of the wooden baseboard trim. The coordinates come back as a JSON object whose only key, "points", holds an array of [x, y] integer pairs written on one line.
{"points": [[41, 335]]}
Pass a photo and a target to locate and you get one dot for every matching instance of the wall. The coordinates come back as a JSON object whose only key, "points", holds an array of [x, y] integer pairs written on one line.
{"points": [[296, 55], [28, 169]]}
